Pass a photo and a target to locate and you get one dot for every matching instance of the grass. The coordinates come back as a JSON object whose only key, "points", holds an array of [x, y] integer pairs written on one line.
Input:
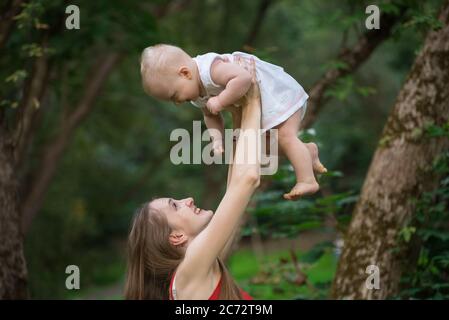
{"points": [[272, 276]]}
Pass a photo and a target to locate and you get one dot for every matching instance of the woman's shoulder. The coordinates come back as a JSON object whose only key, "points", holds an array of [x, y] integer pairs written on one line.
{"points": [[193, 285], [186, 273]]}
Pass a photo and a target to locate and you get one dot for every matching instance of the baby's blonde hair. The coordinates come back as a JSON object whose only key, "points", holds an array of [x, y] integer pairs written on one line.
{"points": [[158, 61]]}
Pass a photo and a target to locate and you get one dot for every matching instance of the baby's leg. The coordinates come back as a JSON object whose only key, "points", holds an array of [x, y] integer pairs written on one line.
{"points": [[300, 158]]}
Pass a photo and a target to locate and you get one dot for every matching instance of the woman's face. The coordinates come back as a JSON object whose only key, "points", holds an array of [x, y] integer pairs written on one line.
{"points": [[183, 216]]}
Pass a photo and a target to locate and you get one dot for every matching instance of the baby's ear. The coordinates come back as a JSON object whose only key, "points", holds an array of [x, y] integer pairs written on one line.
{"points": [[185, 72]]}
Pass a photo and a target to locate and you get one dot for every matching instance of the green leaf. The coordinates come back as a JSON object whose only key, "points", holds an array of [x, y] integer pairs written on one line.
{"points": [[437, 131], [341, 89], [335, 64], [366, 91], [389, 8], [423, 20], [426, 234], [316, 252], [33, 50], [407, 233], [16, 76]]}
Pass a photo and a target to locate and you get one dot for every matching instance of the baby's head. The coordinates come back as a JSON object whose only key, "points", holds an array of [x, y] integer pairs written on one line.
{"points": [[169, 73]]}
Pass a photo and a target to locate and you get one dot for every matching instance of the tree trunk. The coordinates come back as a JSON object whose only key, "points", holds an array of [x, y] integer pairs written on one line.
{"points": [[13, 272], [398, 173]]}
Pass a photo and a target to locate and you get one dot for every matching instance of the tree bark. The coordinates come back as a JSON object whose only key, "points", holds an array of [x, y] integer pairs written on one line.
{"points": [[13, 271], [398, 173]]}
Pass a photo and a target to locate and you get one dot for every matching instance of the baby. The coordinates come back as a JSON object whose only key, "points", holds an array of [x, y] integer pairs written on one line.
{"points": [[214, 81]]}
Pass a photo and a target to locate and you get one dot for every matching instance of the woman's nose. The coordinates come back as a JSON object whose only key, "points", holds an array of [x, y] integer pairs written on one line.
{"points": [[189, 201]]}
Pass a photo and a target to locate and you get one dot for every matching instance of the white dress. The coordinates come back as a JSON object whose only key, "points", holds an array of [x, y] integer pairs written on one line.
{"points": [[281, 95]]}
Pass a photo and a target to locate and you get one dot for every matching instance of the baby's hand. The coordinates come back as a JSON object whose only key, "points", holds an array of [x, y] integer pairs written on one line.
{"points": [[217, 146], [214, 105]]}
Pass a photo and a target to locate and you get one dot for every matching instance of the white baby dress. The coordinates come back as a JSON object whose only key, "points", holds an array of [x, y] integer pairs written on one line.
{"points": [[281, 95]]}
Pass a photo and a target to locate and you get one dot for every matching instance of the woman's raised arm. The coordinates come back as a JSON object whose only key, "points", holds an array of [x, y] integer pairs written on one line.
{"points": [[245, 176]]}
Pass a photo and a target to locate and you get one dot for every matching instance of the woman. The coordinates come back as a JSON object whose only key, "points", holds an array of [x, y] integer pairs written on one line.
{"points": [[176, 249]]}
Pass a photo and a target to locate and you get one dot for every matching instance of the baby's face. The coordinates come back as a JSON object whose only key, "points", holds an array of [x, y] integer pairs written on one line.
{"points": [[184, 90], [179, 87]]}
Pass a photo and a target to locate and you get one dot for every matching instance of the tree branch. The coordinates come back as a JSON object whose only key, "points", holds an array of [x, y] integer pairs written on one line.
{"points": [[54, 151], [7, 20], [29, 105], [352, 58], [33, 93], [255, 28]]}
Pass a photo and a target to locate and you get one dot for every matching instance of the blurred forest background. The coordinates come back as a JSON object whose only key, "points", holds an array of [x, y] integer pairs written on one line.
{"points": [[92, 146]]}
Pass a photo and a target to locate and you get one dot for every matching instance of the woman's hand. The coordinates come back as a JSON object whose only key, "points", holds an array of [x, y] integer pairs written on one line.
{"points": [[253, 94]]}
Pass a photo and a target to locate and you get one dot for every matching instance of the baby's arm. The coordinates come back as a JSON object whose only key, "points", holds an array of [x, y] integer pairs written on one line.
{"points": [[215, 121], [235, 78]]}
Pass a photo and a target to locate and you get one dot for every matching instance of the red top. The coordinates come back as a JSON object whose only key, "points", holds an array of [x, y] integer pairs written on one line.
{"points": [[215, 295]]}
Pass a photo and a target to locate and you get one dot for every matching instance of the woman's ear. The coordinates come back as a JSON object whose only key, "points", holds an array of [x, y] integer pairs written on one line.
{"points": [[177, 238], [185, 72]]}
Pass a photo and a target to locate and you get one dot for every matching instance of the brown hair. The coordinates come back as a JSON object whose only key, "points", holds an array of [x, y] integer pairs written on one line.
{"points": [[152, 259]]}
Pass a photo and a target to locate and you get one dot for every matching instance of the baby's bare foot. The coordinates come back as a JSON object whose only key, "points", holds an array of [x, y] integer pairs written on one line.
{"points": [[317, 165], [302, 189]]}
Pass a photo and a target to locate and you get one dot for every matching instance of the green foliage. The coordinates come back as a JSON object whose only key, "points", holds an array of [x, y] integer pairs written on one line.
{"points": [[428, 277], [334, 64], [345, 86], [406, 233], [433, 131], [280, 218], [9, 104], [29, 17], [16, 76], [276, 217], [423, 20], [275, 276], [390, 8]]}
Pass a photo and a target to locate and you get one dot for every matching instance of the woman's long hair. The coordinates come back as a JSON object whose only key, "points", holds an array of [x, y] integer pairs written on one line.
{"points": [[152, 259]]}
